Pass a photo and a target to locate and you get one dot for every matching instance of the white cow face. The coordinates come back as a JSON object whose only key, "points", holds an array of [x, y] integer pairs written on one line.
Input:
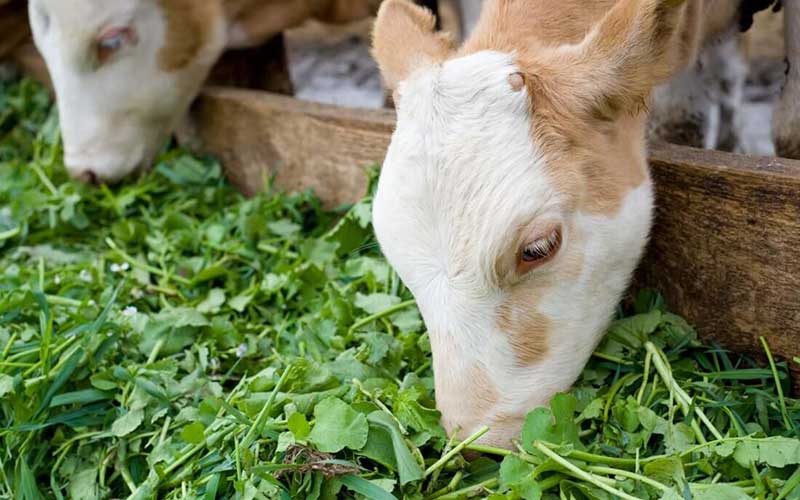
{"points": [[514, 202], [124, 73]]}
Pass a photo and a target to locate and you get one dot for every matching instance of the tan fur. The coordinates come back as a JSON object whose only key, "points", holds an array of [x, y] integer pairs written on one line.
{"points": [[765, 40], [189, 25], [587, 115], [473, 407], [189, 22], [406, 41], [527, 329]]}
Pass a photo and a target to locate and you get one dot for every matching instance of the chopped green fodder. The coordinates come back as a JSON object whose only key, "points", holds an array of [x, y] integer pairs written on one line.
{"points": [[171, 339]]}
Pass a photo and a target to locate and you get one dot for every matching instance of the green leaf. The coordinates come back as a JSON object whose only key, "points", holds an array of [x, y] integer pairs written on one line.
{"points": [[26, 481], [127, 423], [6, 384], [85, 396], [539, 426], [376, 302], [240, 302], [284, 227], [194, 433], [720, 492], [366, 488], [299, 426], [774, 451], [84, 485], [408, 468], [516, 475], [212, 303], [338, 426], [513, 469]]}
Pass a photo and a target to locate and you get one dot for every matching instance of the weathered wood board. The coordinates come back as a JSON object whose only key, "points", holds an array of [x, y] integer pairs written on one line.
{"points": [[725, 249], [304, 145]]}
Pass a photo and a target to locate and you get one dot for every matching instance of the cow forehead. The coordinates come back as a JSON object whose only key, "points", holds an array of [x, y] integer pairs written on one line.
{"points": [[85, 16], [463, 172]]}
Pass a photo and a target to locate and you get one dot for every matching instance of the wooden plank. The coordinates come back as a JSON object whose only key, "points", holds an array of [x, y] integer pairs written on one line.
{"points": [[725, 249], [304, 145]]}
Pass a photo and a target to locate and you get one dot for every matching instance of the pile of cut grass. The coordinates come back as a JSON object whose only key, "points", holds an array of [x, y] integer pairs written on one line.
{"points": [[171, 339]]}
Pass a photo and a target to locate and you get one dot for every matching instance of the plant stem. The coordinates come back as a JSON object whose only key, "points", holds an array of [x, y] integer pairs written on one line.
{"points": [[683, 398], [456, 450], [790, 485], [369, 319], [586, 476], [629, 475], [465, 492], [258, 425], [7, 235], [489, 450], [613, 359], [647, 359], [787, 422]]}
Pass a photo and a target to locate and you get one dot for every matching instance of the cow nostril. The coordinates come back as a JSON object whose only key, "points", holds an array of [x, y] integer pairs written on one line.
{"points": [[87, 177]]}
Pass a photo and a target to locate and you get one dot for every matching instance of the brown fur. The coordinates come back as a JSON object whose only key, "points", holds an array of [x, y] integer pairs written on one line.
{"points": [[527, 329], [189, 22], [585, 115], [407, 41], [189, 25], [571, 113], [14, 28]]}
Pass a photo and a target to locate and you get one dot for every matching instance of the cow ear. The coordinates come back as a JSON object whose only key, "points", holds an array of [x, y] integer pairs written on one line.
{"points": [[404, 40], [636, 46]]}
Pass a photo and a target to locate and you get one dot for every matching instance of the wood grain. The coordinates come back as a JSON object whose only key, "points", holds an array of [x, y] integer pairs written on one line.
{"points": [[303, 145], [725, 250]]}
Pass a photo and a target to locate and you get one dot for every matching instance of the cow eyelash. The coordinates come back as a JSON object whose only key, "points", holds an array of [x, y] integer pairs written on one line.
{"points": [[541, 248]]}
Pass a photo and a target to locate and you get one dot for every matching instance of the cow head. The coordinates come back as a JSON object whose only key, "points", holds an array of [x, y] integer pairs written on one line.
{"points": [[124, 73], [515, 201]]}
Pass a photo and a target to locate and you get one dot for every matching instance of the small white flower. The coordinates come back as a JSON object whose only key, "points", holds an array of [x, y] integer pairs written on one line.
{"points": [[92, 303], [85, 276], [137, 294], [57, 279], [241, 351], [125, 266], [129, 311], [214, 363]]}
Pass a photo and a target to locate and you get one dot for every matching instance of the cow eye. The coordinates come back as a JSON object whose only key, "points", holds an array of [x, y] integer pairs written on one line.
{"points": [[112, 41], [538, 250]]}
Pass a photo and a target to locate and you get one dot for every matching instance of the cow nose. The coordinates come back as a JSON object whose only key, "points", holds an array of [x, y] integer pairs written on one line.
{"points": [[87, 177]]}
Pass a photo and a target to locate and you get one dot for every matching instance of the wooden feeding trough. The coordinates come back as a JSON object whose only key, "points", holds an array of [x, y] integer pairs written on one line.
{"points": [[725, 250]]}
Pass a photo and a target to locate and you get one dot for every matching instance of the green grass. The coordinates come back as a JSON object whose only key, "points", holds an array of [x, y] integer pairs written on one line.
{"points": [[171, 339]]}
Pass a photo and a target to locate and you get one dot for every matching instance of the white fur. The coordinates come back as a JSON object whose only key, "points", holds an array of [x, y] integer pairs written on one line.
{"points": [[114, 117], [461, 176]]}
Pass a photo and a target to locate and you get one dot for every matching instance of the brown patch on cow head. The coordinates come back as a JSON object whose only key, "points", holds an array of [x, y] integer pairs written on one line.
{"points": [[591, 129], [189, 27], [527, 329]]}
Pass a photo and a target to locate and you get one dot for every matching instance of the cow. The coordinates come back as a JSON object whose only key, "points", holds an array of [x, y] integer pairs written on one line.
{"points": [[125, 71], [702, 106], [515, 199]]}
